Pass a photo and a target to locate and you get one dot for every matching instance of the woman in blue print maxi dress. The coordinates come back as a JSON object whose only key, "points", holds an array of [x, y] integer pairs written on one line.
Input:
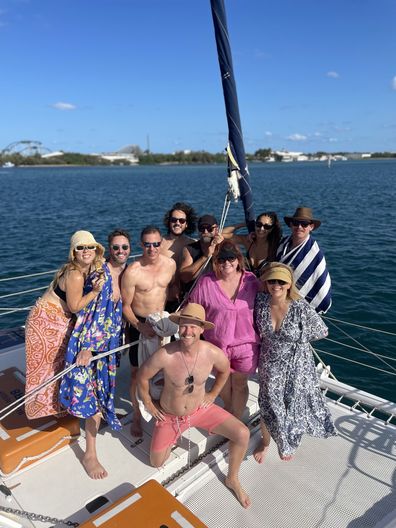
{"points": [[88, 391]]}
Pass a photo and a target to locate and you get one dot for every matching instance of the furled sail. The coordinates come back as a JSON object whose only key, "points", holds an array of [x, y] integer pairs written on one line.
{"points": [[237, 165]]}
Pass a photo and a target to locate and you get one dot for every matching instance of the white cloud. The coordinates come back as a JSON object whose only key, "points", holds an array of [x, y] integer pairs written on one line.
{"points": [[332, 74], [297, 137], [64, 106], [394, 83], [268, 134]]}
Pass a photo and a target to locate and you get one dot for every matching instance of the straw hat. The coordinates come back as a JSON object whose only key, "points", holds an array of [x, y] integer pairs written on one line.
{"points": [[84, 238], [194, 313], [276, 271], [303, 213]]}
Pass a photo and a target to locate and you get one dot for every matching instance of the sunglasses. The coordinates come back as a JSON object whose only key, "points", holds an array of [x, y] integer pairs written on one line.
{"points": [[174, 220], [116, 247], [222, 260], [207, 228], [277, 281], [82, 248], [190, 382], [302, 223], [149, 244], [267, 227]]}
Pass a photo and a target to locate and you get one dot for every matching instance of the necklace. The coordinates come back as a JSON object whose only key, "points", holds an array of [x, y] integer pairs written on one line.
{"points": [[190, 379]]}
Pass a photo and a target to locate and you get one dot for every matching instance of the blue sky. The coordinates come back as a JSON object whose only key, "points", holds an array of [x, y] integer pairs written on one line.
{"points": [[96, 75]]}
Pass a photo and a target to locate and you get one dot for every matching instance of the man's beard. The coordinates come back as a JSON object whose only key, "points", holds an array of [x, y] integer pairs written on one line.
{"points": [[206, 239]]}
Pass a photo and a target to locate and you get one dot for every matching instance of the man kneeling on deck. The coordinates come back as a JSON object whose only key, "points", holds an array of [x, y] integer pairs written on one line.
{"points": [[184, 403]]}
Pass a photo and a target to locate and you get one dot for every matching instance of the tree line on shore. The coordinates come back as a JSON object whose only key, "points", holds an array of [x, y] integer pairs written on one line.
{"points": [[150, 158]]}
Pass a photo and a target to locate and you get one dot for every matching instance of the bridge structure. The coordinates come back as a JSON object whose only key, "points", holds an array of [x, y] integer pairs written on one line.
{"points": [[25, 147]]}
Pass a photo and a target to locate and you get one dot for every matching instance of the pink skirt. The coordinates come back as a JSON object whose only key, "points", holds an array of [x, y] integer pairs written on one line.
{"points": [[46, 337]]}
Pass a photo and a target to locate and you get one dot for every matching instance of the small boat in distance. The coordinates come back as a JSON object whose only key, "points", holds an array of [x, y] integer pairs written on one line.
{"points": [[8, 165]]}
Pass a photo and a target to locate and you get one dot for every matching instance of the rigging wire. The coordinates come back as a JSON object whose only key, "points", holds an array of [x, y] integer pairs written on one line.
{"points": [[356, 362], [364, 347], [358, 326], [356, 348]]}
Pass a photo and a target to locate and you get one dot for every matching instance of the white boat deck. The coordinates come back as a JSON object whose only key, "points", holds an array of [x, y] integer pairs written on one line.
{"points": [[346, 481]]}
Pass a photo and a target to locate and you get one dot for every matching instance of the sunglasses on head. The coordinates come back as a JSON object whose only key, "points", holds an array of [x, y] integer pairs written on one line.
{"points": [[81, 248], [174, 220], [277, 281], [222, 260], [190, 382], [149, 244], [260, 225], [302, 223], [207, 228], [116, 247]]}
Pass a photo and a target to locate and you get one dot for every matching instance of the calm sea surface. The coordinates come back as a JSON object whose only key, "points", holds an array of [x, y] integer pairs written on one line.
{"points": [[42, 207]]}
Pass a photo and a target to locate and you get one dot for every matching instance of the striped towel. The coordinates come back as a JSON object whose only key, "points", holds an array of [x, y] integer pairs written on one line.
{"points": [[310, 271]]}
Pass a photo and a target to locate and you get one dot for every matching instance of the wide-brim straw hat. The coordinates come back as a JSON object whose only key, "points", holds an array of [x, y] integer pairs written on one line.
{"points": [[303, 213], [85, 238], [277, 272], [195, 313]]}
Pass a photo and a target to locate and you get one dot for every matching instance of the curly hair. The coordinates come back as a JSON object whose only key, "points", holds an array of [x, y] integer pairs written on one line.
{"points": [[227, 245], [274, 236], [190, 213]]}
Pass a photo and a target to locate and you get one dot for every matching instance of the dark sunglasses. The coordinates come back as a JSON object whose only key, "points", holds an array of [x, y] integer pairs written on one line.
{"points": [[222, 260], [277, 281], [81, 248], [207, 228], [149, 244], [302, 223], [190, 382], [116, 247], [174, 220], [267, 227]]}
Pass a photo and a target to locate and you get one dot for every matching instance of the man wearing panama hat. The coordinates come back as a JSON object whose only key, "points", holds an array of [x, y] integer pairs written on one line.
{"points": [[184, 403], [302, 253]]}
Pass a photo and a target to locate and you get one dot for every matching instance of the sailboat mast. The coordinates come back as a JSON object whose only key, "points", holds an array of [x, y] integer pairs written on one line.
{"points": [[235, 149]]}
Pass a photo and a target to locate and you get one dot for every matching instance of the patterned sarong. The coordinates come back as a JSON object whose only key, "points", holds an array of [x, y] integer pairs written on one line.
{"points": [[309, 270], [86, 391], [47, 334]]}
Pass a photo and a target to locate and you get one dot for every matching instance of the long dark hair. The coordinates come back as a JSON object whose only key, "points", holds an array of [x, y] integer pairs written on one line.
{"points": [[274, 236], [190, 213]]}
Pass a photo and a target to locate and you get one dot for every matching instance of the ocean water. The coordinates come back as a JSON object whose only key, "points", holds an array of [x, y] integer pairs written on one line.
{"points": [[42, 207]]}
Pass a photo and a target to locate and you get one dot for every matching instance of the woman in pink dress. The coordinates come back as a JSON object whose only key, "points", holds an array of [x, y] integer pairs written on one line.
{"points": [[228, 294]]}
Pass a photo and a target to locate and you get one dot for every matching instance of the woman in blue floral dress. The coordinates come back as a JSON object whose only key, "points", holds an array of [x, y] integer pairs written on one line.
{"points": [[87, 391], [290, 400]]}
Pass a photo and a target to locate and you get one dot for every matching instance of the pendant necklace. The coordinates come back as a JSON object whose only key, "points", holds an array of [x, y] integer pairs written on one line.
{"points": [[190, 379]]}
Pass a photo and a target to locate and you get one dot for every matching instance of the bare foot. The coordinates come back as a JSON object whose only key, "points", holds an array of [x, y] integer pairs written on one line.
{"points": [[260, 452], [136, 425], [286, 458], [240, 493], [94, 469]]}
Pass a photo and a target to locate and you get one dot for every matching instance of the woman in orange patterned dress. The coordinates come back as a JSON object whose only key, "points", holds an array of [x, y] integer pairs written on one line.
{"points": [[51, 321]]}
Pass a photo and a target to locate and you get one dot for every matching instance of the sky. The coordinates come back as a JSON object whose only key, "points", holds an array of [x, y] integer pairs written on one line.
{"points": [[96, 75]]}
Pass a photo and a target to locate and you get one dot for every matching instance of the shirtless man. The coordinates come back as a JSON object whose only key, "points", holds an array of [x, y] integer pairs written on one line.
{"points": [[184, 403], [180, 221], [144, 289]]}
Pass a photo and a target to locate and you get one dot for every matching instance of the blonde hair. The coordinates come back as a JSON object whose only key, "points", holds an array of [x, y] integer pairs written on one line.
{"points": [[72, 264], [292, 292]]}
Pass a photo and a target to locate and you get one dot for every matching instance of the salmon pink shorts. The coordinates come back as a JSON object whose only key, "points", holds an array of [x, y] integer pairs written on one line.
{"points": [[167, 432]]}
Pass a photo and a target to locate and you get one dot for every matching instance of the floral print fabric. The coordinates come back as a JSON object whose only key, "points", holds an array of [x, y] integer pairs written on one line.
{"points": [[290, 400], [86, 391]]}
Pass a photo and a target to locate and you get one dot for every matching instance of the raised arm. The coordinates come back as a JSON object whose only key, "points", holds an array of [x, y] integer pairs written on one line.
{"points": [[74, 287], [189, 269]]}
